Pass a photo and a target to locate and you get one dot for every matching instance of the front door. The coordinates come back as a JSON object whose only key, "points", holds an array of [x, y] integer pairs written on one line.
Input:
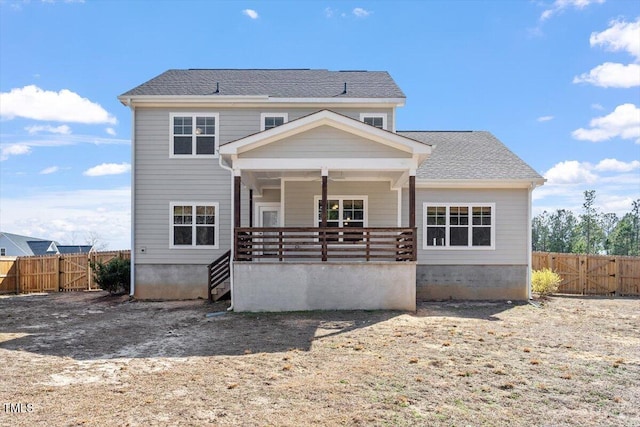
{"points": [[268, 216]]}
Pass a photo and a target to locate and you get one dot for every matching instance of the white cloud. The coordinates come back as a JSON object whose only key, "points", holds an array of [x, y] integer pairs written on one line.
{"points": [[31, 102], [62, 129], [328, 12], [623, 122], [251, 13], [560, 5], [615, 182], [611, 74], [58, 215], [570, 172], [361, 13], [24, 145], [545, 118], [49, 170], [108, 169], [597, 106], [613, 165], [110, 131], [13, 150], [620, 36]]}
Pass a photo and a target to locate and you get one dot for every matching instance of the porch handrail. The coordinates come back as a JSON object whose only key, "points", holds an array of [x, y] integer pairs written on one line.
{"points": [[218, 272], [325, 243]]}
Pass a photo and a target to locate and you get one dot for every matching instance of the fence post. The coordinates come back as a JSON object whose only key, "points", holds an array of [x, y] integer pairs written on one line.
{"points": [[90, 257], [619, 272], [58, 272], [17, 275]]}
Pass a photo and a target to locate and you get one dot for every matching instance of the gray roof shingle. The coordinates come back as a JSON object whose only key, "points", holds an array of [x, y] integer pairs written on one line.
{"points": [[302, 83], [469, 155]]}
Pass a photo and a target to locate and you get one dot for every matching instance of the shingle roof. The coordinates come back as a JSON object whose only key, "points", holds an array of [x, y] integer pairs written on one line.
{"points": [[303, 83], [74, 249], [41, 247], [23, 242], [472, 155]]}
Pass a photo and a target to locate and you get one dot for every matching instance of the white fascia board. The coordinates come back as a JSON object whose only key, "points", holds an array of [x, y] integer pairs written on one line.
{"points": [[254, 100], [328, 118], [478, 183], [348, 164]]}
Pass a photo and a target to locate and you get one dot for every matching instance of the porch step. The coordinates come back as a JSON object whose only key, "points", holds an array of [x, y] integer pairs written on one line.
{"points": [[220, 291]]}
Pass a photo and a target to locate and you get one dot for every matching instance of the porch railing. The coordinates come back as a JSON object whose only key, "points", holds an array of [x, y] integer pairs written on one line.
{"points": [[323, 244]]}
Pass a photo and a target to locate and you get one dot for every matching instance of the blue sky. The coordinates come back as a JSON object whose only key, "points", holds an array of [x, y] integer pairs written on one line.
{"points": [[557, 81]]}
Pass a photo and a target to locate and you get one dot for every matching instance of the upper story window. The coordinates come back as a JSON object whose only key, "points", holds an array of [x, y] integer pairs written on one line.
{"points": [[3, 251], [194, 134], [378, 120], [460, 225], [272, 120]]}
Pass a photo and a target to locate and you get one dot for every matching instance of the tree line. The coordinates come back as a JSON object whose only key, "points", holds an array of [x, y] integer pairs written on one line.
{"points": [[590, 232]]}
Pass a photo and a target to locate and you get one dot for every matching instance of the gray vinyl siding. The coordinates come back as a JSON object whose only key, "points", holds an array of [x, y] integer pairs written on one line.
{"points": [[325, 141], [270, 195], [299, 201], [240, 122], [510, 219], [160, 180]]}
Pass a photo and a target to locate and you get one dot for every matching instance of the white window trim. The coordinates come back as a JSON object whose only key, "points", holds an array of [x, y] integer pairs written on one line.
{"points": [[375, 115], [263, 116], [469, 247], [216, 228], [193, 154], [365, 205]]}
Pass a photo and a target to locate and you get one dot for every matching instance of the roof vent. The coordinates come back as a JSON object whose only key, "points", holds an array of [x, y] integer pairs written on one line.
{"points": [[344, 92]]}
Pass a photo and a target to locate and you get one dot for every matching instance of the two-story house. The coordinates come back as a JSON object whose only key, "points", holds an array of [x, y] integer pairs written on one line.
{"points": [[302, 180]]}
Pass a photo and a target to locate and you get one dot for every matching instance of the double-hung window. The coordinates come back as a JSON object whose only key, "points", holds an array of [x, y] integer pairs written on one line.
{"points": [[272, 120], [194, 134], [194, 224], [459, 225], [344, 212], [378, 120]]}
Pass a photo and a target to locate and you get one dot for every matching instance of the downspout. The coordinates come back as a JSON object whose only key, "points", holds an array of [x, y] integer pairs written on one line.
{"points": [[132, 285], [232, 230], [529, 239]]}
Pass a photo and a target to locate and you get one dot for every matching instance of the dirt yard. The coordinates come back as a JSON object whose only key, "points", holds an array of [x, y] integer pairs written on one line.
{"points": [[89, 359]]}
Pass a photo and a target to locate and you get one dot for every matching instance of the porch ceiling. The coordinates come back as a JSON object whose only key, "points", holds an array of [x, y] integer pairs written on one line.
{"points": [[258, 180]]}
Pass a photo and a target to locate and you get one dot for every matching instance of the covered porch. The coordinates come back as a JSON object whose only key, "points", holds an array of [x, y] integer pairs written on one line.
{"points": [[331, 235]]}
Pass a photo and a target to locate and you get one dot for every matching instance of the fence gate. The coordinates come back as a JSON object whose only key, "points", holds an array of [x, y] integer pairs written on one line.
{"points": [[73, 272], [600, 276], [568, 267]]}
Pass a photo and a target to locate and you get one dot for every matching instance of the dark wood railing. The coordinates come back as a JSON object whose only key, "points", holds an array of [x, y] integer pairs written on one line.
{"points": [[219, 271], [330, 243]]}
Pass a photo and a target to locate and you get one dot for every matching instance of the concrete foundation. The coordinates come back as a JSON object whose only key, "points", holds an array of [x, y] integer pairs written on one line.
{"points": [[471, 282], [324, 286], [170, 282]]}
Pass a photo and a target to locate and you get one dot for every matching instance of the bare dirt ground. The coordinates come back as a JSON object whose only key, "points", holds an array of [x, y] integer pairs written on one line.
{"points": [[90, 359]]}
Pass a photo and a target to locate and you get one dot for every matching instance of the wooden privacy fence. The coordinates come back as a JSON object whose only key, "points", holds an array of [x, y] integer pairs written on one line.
{"points": [[52, 273], [592, 274]]}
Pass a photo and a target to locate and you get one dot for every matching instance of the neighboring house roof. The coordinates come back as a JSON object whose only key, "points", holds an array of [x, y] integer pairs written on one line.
{"points": [[22, 242], [28, 246], [470, 155], [284, 83], [74, 249], [43, 247]]}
